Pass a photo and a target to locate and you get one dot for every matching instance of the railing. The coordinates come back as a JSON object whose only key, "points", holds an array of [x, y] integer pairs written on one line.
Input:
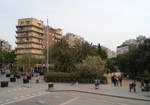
{"points": [[37, 42], [30, 47], [28, 35], [30, 29]]}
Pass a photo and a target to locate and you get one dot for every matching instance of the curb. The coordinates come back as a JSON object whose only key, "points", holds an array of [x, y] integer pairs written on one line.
{"points": [[131, 98]]}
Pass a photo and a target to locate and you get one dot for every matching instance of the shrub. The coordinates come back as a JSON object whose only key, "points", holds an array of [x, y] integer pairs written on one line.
{"points": [[70, 77], [146, 79]]}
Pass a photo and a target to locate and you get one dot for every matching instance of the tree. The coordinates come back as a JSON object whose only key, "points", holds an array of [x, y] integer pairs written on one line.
{"points": [[7, 58], [92, 67], [27, 61], [82, 50], [136, 60], [60, 54], [101, 52], [111, 64]]}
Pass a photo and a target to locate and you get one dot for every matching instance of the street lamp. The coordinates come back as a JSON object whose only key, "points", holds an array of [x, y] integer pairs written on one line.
{"points": [[47, 27]]}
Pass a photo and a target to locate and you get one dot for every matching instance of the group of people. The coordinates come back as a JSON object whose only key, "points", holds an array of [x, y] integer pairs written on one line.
{"points": [[145, 86], [116, 80]]}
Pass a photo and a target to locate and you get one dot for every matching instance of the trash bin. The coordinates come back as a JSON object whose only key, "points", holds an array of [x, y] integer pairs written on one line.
{"points": [[7, 75], [50, 85], [4, 83], [13, 79], [25, 81], [29, 77]]}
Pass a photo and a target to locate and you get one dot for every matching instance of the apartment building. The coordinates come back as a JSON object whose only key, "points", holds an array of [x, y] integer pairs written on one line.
{"points": [[51, 35], [4, 45], [29, 37], [72, 38], [124, 47]]}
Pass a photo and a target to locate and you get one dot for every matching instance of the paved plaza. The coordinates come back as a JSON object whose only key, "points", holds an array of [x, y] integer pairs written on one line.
{"points": [[75, 98], [67, 94]]}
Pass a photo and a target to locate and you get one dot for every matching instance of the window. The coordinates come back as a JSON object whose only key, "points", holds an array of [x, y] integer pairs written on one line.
{"points": [[21, 23], [27, 22]]}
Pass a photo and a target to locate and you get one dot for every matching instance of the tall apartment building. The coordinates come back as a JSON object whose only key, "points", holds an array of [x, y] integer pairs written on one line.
{"points": [[29, 37], [51, 35], [72, 38], [4, 45]]}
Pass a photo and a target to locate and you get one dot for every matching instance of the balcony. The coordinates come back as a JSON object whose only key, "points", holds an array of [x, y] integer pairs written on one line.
{"points": [[25, 42], [30, 47], [29, 30], [29, 35], [22, 53], [30, 25]]}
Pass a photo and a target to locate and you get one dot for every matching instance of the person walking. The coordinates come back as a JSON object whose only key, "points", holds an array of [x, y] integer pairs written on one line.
{"points": [[120, 80], [132, 86]]}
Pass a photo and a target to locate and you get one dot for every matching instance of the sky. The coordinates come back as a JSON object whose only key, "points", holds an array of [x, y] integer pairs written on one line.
{"points": [[108, 22]]}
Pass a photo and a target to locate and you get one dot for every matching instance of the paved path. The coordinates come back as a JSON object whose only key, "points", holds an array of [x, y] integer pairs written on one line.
{"points": [[17, 92], [105, 90], [77, 98]]}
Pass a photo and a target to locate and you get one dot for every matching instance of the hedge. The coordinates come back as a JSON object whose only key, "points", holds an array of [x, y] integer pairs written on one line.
{"points": [[70, 77], [146, 79]]}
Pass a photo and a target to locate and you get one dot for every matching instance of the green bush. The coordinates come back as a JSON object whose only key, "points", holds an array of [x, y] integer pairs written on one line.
{"points": [[147, 78], [70, 77]]}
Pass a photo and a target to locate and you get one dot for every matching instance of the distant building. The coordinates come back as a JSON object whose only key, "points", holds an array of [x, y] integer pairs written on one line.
{"points": [[72, 38], [4, 45], [110, 53], [124, 48], [29, 37], [51, 35]]}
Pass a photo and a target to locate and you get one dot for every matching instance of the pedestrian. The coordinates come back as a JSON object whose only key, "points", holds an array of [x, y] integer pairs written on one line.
{"points": [[117, 80], [142, 84], [132, 86], [120, 80], [97, 82], [113, 79], [73, 82]]}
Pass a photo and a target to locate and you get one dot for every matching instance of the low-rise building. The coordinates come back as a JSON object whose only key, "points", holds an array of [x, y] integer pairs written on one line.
{"points": [[51, 35], [4, 45], [124, 48], [72, 38]]}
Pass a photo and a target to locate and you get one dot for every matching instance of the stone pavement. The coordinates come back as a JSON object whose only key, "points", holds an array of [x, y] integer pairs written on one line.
{"points": [[107, 90]]}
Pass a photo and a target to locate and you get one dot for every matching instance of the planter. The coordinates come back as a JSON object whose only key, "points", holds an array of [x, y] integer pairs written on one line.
{"points": [[25, 81], [13, 79], [29, 77], [4, 83], [51, 85], [7, 75], [18, 77], [41, 73]]}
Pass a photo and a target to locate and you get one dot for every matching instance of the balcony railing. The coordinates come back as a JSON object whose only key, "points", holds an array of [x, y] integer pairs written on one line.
{"points": [[29, 29], [36, 42], [29, 47], [29, 35]]}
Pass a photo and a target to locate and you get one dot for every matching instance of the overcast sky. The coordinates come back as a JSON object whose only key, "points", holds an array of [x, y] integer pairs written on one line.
{"points": [[109, 22]]}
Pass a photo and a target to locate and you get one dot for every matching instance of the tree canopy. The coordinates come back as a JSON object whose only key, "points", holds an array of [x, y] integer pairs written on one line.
{"points": [[136, 61]]}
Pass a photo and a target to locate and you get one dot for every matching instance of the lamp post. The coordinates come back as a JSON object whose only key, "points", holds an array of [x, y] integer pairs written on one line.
{"points": [[47, 27]]}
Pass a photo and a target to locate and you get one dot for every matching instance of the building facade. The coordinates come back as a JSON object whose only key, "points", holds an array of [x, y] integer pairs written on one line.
{"points": [[124, 48], [4, 45], [29, 37], [72, 38], [51, 35]]}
